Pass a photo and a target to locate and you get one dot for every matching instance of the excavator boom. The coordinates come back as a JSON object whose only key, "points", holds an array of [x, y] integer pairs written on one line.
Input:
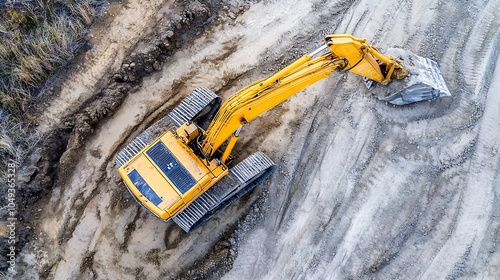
{"points": [[414, 79], [179, 167], [252, 101]]}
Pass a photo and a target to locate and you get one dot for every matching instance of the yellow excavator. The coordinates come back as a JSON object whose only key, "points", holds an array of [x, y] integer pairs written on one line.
{"points": [[179, 169]]}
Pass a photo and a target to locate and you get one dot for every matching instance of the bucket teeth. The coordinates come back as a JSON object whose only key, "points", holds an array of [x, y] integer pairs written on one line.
{"points": [[424, 82]]}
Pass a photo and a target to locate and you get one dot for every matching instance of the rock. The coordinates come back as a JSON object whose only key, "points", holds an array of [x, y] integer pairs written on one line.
{"points": [[118, 77], [47, 180], [224, 244], [27, 175], [36, 157], [169, 34], [156, 65], [155, 52], [148, 68], [167, 46]]}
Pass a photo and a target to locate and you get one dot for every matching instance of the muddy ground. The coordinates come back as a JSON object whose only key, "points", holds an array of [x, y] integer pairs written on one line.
{"points": [[363, 189]]}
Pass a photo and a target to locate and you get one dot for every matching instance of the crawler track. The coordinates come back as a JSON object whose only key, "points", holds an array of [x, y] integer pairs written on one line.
{"points": [[242, 178]]}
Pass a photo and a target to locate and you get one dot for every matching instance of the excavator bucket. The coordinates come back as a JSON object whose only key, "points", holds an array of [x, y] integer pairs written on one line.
{"points": [[424, 81]]}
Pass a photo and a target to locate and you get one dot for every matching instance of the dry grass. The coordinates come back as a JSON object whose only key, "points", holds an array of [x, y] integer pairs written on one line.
{"points": [[36, 38]]}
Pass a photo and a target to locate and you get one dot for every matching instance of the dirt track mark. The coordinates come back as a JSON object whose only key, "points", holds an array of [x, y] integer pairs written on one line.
{"points": [[129, 228], [87, 264]]}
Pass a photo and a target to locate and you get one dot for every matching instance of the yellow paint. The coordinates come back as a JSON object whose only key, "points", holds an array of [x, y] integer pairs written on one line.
{"points": [[173, 201], [187, 132], [229, 148], [155, 180]]}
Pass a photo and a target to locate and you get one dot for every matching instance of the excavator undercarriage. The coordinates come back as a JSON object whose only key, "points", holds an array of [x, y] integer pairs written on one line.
{"points": [[241, 179]]}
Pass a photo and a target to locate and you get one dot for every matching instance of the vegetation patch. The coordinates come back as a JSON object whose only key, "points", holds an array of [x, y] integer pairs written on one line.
{"points": [[37, 37]]}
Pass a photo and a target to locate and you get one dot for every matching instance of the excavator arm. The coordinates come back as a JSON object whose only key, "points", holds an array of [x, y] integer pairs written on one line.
{"points": [[261, 96], [345, 53]]}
